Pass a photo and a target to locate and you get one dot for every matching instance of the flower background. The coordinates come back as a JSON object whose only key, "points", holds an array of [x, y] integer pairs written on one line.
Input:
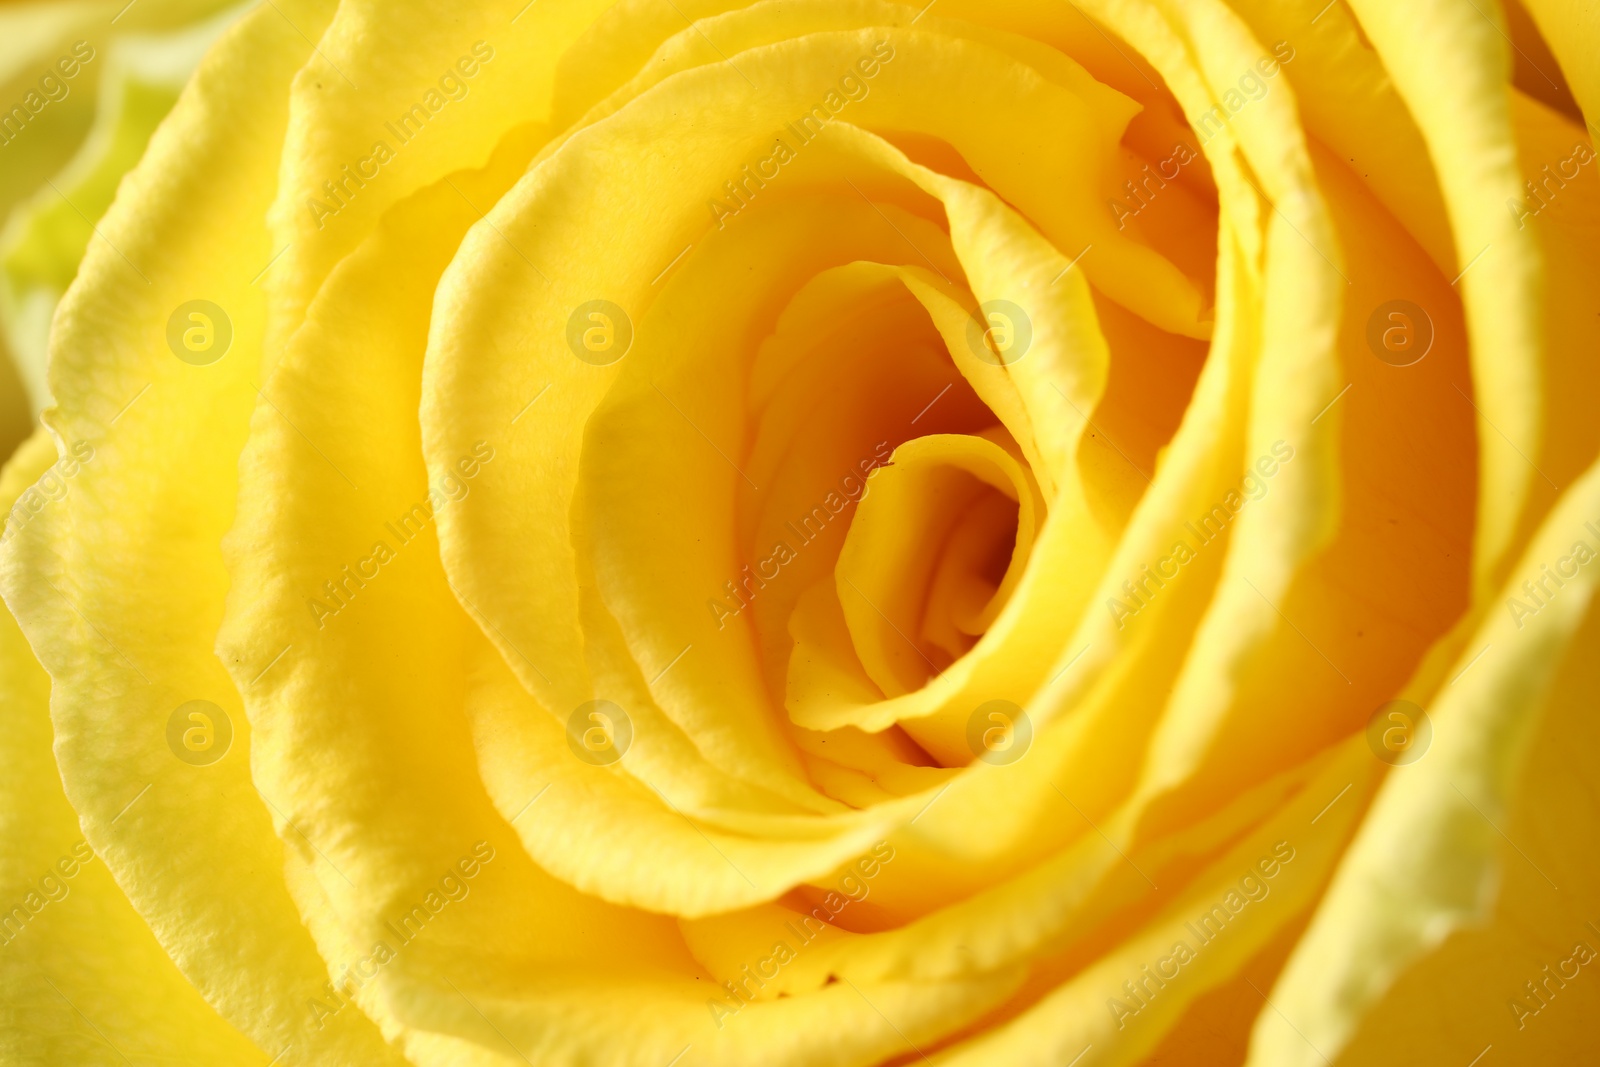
{"points": [[659, 534]]}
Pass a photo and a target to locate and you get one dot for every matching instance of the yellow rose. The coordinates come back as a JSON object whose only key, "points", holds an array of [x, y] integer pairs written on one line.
{"points": [[822, 533], [82, 87]]}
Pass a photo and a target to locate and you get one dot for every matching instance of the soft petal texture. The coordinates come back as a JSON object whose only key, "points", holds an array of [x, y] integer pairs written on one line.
{"points": [[663, 445], [81, 971], [148, 662]]}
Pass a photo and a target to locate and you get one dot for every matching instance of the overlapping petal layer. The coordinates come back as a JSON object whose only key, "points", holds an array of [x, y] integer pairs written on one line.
{"points": [[836, 532]]}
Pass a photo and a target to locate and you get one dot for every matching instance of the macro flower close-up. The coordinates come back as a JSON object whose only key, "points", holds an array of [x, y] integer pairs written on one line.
{"points": [[831, 533]]}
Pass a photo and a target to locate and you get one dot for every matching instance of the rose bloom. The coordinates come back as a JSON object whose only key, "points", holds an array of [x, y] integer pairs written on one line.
{"points": [[821, 533], [82, 87]]}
